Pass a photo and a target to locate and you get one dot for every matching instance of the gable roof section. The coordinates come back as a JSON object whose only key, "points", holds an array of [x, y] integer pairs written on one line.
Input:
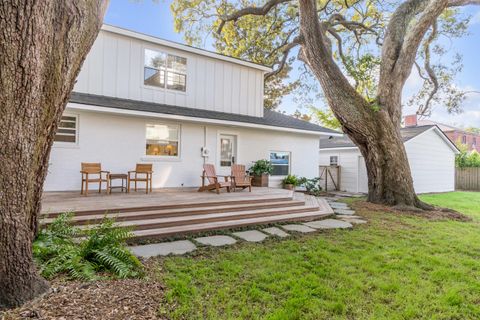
{"points": [[270, 118], [407, 134], [183, 47]]}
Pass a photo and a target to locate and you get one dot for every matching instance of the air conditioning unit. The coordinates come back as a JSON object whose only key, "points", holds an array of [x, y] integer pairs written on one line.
{"points": [[205, 152]]}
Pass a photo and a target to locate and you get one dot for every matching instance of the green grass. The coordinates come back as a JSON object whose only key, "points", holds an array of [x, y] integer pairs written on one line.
{"points": [[463, 201], [396, 267]]}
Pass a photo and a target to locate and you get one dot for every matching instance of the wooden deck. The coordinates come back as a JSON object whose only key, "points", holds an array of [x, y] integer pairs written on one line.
{"points": [[168, 212]]}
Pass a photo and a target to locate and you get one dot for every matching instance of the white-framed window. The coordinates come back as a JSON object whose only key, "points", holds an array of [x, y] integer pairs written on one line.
{"points": [[67, 131], [162, 140], [280, 161], [334, 160], [164, 70]]}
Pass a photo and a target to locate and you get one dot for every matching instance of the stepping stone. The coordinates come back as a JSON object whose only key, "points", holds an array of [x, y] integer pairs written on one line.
{"points": [[274, 231], [216, 241], [163, 249], [338, 205], [354, 221], [346, 212], [328, 224], [298, 228], [346, 217], [251, 235]]}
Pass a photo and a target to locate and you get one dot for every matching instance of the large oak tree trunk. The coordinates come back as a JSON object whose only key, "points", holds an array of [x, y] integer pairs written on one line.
{"points": [[42, 47], [374, 126]]}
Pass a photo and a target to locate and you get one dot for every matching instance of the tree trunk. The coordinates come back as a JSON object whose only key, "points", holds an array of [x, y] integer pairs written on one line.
{"points": [[373, 126], [42, 47]]}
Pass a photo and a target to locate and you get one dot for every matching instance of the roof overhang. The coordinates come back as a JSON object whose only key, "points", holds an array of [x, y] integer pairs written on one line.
{"points": [[183, 47], [135, 113]]}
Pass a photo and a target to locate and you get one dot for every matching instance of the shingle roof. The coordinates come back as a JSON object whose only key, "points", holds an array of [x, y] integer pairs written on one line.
{"points": [[270, 118], [345, 142]]}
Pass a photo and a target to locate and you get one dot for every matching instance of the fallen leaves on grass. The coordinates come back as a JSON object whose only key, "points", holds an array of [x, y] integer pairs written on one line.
{"points": [[112, 299]]}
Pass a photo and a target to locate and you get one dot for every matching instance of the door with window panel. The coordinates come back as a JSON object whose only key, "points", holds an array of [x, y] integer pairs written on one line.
{"points": [[228, 152]]}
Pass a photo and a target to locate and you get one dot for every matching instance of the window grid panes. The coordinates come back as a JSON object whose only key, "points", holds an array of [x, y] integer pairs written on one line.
{"points": [[67, 130], [162, 140], [280, 162], [165, 70]]}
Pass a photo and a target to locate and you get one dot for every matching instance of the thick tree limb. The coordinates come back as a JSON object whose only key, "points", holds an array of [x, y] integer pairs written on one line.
{"points": [[424, 110], [257, 11], [286, 51]]}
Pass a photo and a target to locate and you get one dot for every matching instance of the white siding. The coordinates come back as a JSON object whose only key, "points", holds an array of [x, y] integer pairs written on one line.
{"points": [[431, 160], [432, 163], [118, 142], [114, 67]]}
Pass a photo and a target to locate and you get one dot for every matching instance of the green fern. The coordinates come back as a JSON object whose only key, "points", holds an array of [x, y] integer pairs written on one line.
{"points": [[62, 248]]}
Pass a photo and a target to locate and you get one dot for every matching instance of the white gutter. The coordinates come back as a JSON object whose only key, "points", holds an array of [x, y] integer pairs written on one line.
{"points": [[179, 46], [84, 107]]}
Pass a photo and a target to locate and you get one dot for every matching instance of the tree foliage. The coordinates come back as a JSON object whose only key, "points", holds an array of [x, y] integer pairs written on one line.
{"points": [[466, 158], [326, 118]]}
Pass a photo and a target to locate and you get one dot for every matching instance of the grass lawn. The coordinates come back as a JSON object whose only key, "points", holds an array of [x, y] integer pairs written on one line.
{"points": [[396, 267]]}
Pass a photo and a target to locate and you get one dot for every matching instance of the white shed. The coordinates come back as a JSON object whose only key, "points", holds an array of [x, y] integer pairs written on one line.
{"points": [[430, 153]]}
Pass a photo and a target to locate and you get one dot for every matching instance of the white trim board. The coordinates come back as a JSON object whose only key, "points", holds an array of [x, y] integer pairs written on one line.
{"points": [[84, 107]]}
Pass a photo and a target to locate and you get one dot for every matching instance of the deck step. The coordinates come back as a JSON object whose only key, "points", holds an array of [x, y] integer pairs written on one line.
{"points": [[171, 206], [142, 224], [218, 225], [180, 212]]}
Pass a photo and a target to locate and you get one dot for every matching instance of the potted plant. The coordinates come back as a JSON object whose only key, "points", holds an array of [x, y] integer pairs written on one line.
{"points": [[290, 182], [260, 170]]}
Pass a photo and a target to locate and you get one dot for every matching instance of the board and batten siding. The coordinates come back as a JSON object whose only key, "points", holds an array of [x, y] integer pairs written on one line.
{"points": [[431, 160], [114, 67]]}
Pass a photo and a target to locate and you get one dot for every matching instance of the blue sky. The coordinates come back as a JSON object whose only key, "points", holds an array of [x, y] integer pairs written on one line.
{"points": [[153, 17]]}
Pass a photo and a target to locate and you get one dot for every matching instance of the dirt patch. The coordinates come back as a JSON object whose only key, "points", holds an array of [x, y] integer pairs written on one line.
{"points": [[436, 214], [110, 299]]}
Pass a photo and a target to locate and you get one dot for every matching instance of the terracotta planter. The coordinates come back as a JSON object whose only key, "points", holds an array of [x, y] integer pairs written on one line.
{"points": [[289, 186], [260, 181]]}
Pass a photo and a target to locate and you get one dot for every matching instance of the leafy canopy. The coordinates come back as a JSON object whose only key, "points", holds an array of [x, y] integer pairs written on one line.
{"points": [[355, 32]]}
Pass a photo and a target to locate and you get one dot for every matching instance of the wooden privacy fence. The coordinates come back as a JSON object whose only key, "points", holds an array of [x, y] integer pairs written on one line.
{"points": [[330, 177], [467, 179]]}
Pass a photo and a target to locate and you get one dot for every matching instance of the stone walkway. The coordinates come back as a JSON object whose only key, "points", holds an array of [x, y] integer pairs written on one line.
{"points": [[345, 219]]}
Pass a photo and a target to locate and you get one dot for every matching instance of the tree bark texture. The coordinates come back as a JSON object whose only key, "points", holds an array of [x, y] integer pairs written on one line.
{"points": [[42, 47], [374, 126]]}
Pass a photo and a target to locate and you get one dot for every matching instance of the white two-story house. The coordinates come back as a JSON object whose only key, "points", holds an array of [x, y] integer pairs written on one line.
{"points": [[140, 99]]}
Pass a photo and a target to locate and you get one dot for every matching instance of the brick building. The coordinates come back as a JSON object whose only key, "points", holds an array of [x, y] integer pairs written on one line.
{"points": [[457, 135]]}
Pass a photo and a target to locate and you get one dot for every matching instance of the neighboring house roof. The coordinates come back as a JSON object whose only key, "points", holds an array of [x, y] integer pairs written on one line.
{"points": [[270, 118], [184, 47], [443, 127], [407, 134]]}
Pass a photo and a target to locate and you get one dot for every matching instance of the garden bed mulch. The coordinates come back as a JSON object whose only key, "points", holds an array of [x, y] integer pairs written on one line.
{"points": [[437, 214], [109, 299]]}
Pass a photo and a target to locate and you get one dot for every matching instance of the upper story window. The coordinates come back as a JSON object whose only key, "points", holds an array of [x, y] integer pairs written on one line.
{"points": [[464, 139], [67, 131], [165, 70], [281, 163], [162, 140]]}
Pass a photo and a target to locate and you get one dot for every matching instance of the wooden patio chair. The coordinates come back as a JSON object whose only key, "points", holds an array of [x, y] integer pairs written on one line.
{"points": [[213, 180], [93, 173], [240, 179], [143, 173]]}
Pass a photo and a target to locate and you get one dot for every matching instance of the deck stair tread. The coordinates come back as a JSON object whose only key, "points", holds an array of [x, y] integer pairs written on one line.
{"points": [[150, 214], [167, 231], [170, 206], [210, 217]]}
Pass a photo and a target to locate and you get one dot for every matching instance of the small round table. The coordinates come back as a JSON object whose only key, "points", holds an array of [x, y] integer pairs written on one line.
{"points": [[117, 176]]}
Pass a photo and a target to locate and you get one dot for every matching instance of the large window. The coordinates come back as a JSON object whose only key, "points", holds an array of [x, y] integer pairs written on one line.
{"points": [[165, 70], [280, 162], [162, 140], [67, 129]]}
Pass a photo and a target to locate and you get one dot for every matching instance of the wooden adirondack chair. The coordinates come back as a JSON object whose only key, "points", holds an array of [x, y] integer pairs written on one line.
{"points": [[240, 179], [92, 173], [213, 180], [143, 173]]}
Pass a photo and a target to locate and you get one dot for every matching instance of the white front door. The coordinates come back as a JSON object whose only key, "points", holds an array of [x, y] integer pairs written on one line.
{"points": [[228, 152]]}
